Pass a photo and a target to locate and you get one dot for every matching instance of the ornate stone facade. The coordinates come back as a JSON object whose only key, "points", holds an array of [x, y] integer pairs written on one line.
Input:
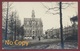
{"points": [[33, 26]]}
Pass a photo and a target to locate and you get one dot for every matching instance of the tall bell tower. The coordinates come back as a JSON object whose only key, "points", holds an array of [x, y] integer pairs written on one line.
{"points": [[33, 14]]}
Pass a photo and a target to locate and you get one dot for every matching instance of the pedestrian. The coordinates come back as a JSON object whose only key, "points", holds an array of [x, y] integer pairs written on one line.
{"points": [[39, 38]]}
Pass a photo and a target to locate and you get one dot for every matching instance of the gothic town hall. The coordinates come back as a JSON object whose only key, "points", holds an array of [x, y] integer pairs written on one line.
{"points": [[33, 26]]}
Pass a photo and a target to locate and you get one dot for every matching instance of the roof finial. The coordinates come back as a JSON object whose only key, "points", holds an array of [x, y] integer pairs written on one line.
{"points": [[33, 14]]}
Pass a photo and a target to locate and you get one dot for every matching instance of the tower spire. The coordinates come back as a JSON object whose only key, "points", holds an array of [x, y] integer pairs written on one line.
{"points": [[33, 14]]}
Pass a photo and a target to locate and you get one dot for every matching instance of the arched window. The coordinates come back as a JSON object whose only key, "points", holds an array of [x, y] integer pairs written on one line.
{"points": [[27, 23]]}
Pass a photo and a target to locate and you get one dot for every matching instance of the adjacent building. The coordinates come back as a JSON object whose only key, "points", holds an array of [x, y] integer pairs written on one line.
{"points": [[67, 31], [53, 33]]}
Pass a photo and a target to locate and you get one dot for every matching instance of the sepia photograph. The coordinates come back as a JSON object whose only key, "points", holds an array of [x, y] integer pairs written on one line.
{"points": [[40, 25]]}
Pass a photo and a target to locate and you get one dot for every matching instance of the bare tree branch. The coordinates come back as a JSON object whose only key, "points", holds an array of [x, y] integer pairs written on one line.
{"points": [[51, 12], [55, 13], [66, 4], [44, 5], [10, 4], [66, 7], [55, 8]]}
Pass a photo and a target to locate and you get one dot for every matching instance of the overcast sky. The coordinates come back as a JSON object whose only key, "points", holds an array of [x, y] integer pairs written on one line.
{"points": [[24, 9]]}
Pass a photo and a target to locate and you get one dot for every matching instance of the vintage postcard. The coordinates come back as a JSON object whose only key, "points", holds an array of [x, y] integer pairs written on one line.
{"points": [[40, 25]]}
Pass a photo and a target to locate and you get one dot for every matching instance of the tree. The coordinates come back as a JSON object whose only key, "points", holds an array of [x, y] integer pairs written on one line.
{"points": [[17, 27], [6, 21], [58, 10], [61, 26], [14, 25], [75, 32], [11, 26], [6, 6], [22, 31]]}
